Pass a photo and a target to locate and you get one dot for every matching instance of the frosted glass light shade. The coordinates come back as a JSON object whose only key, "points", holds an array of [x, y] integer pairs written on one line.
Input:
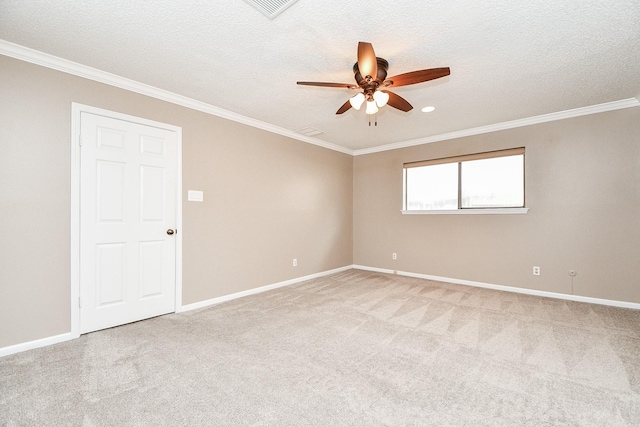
{"points": [[381, 98], [372, 108], [356, 101]]}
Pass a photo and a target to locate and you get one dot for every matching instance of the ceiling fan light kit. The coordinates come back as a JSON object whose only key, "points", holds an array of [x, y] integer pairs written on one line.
{"points": [[381, 98], [368, 66], [372, 108], [357, 100]]}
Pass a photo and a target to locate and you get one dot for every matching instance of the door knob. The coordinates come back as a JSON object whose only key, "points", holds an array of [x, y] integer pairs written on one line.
{"points": [[170, 232]]}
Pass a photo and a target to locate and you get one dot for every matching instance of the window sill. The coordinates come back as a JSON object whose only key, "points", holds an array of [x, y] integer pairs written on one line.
{"points": [[489, 211]]}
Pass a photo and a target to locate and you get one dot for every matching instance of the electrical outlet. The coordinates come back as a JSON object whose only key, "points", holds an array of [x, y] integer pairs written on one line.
{"points": [[295, 262], [394, 256], [536, 271]]}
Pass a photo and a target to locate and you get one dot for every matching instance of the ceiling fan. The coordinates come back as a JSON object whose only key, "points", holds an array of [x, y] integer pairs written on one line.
{"points": [[371, 77]]}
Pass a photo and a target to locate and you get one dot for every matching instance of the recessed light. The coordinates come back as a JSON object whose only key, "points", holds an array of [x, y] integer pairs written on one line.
{"points": [[428, 109]]}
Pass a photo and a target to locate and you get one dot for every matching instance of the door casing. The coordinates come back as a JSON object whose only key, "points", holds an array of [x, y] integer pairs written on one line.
{"points": [[76, 110]]}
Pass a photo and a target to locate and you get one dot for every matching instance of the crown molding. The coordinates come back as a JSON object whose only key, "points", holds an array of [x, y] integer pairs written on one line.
{"points": [[560, 115], [44, 59]]}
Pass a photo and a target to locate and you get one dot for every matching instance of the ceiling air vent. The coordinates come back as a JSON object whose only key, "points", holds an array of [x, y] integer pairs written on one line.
{"points": [[309, 131], [271, 8]]}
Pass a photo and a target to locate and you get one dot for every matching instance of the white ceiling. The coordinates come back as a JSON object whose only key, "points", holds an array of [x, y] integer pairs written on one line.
{"points": [[509, 60]]}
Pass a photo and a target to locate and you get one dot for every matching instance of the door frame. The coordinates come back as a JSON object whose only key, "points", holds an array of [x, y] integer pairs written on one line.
{"points": [[76, 111]]}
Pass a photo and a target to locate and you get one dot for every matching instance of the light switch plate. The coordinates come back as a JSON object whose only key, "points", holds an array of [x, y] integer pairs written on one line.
{"points": [[195, 196]]}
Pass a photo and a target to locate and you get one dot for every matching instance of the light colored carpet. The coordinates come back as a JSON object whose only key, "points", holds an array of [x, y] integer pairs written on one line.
{"points": [[351, 349]]}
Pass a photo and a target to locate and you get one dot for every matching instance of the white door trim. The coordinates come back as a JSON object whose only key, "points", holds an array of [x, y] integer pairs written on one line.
{"points": [[76, 110]]}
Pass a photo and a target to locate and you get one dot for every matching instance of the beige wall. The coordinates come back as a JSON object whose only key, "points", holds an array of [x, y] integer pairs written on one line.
{"points": [[583, 193], [268, 199]]}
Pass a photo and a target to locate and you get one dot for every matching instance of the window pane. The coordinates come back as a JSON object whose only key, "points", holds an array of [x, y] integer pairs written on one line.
{"points": [[495, 182], [432, 187]]}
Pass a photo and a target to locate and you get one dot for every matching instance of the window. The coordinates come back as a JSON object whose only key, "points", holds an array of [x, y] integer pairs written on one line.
{"points": [[492, 180]]}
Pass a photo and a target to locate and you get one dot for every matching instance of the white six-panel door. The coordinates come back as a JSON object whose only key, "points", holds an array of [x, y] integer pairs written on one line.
{"points": [[128, 176]]}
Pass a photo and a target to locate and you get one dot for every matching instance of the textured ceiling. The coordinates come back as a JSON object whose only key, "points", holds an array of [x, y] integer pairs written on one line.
{"points": [[509, 60]]}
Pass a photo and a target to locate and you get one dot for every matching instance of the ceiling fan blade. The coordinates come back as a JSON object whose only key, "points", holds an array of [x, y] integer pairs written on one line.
{"points": [[417, 77], [345, 85], [367, 62], [344, 107], [396, 101]]}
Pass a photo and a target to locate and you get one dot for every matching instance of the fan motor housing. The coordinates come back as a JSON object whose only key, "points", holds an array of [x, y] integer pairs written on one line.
{"points": [[383, 66]]}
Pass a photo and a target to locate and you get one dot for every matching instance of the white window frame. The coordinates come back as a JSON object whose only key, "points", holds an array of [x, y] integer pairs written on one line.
{"points": [[460, 210]]}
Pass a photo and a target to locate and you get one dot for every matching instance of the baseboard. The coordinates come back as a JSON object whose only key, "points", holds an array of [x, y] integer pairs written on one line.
{"points": [[374, 269], [18, 348], [578, 298], [225, 298], [6, 351]]}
